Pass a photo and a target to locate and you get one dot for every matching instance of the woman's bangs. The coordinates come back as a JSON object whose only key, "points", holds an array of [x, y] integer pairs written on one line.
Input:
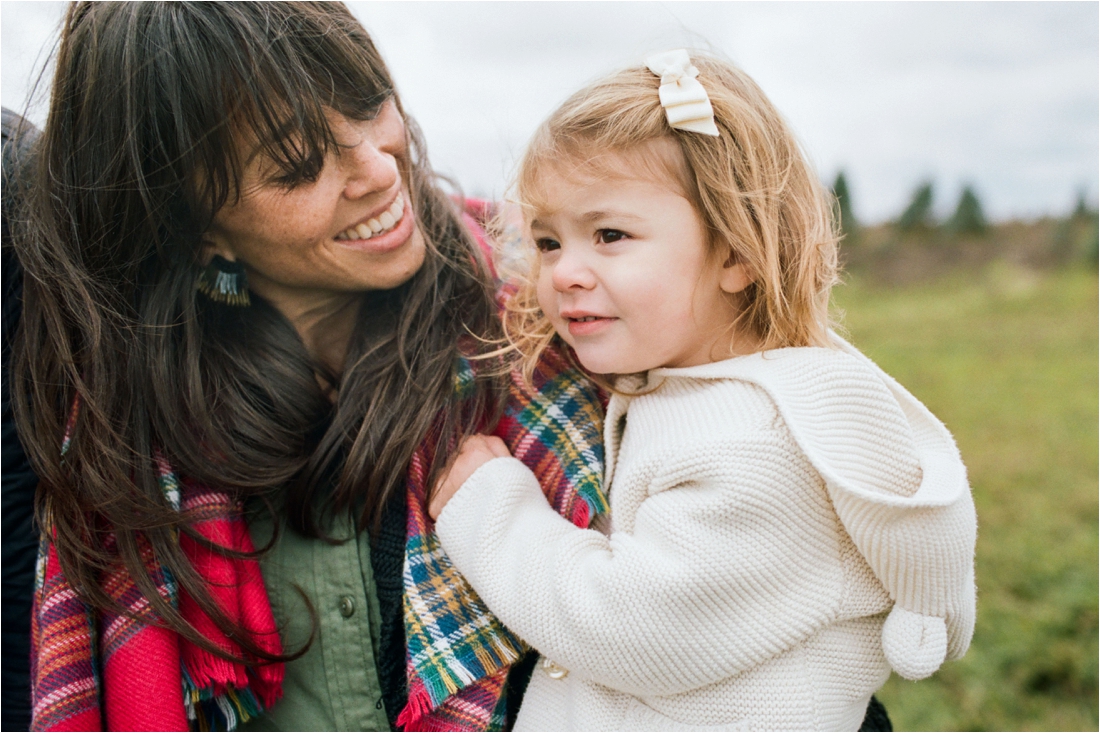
{"points": [[300, 77]]}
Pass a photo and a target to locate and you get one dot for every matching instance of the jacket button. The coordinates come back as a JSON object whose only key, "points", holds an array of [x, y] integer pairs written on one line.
{"points": [[347, 606], [553, 671]]}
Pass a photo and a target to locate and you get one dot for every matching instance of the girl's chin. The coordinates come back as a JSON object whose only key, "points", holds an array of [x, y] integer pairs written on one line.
{"points": [[598, 363]]}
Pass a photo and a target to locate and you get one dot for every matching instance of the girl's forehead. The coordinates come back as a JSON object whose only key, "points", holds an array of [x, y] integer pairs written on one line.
{"points": [[658, 161]]}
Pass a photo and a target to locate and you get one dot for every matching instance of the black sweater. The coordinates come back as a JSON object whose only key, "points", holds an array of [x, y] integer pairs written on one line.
{"points": [[20, 536]]}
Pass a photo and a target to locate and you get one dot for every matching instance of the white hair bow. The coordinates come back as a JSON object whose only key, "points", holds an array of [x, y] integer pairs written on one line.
{"points": [[685, 101]]}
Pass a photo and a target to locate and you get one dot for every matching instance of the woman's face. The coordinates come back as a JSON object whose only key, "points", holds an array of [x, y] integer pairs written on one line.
{"points": [[351, 229]]}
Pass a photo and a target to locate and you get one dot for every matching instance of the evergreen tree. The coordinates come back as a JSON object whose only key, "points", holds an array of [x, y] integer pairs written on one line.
{"points": [[919, 212], [968, 217], [1082, 210], [1080, 234], [848, 223]]}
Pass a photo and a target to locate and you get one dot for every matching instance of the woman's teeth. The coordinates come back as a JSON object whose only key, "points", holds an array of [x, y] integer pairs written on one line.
{"points": [[379, 225]]}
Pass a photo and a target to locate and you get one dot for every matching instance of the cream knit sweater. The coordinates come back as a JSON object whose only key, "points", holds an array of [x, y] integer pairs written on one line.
{"points": [[768, 511]]}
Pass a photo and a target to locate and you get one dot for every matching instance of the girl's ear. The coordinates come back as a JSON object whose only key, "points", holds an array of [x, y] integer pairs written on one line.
{"points": [[735, 277]]}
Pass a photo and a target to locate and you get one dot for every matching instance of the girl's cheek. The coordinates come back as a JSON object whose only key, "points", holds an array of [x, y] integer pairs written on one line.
{"points": [[547, 298], [544, 291]]}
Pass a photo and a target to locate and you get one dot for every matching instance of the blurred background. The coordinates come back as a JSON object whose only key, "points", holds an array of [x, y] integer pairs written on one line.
{"points": [[962, 142]]}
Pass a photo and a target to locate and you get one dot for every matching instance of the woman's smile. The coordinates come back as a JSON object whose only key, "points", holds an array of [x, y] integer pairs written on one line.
{"points": [[382, 233], [375, 224]]}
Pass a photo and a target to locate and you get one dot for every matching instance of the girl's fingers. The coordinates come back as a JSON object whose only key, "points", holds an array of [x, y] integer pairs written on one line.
{"points": [[497, 446], [475, 451]]}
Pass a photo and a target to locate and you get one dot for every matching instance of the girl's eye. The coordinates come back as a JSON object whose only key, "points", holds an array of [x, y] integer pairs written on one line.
{"points": [[546, 244], [607, 236]]}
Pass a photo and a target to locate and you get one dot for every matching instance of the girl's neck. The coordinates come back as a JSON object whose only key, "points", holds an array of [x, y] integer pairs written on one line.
{"points": [[725, 345]]}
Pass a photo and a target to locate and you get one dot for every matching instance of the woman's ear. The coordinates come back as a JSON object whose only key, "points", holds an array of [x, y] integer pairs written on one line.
{"points": [[212, 245], [735, 277]]}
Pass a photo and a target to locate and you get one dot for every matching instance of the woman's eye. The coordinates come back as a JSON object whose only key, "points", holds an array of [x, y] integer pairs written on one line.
{"points": [[607, 236], [545, 244], [307, 172]]}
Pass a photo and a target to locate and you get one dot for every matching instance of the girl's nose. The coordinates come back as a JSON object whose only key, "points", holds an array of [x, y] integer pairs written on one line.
{"points": [[572, 271]]}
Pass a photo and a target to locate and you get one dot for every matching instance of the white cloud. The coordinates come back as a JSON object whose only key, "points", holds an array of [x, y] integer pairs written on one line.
{"points": [[1001, 95]]}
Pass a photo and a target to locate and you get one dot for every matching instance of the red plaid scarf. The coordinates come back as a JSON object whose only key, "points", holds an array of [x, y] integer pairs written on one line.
{"points": [[123, 671], [458, 653]]}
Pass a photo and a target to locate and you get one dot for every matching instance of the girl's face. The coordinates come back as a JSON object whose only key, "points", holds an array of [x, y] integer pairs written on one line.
{"points": [[626, 276], [350, 230]]}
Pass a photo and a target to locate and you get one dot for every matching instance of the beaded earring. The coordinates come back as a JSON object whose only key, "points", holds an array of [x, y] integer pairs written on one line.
{"points": [[224, 282]]}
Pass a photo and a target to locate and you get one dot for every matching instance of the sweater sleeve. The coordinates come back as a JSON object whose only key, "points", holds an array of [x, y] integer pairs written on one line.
{"points": [[721, 572], [899, 486]]}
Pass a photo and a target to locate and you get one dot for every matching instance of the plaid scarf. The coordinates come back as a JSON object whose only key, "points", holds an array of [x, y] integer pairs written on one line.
{"points": [[94, 669], [124, 671], [459, 654]]}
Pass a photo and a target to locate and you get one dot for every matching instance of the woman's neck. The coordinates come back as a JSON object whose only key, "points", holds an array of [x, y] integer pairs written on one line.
{"points": [[324, 321]]}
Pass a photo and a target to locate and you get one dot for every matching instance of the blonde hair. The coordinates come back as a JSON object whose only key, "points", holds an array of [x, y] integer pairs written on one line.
{"points": [[759, 198]]}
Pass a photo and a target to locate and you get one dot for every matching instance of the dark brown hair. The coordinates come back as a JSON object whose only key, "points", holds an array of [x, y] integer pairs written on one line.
{"points": [[137, 156]]}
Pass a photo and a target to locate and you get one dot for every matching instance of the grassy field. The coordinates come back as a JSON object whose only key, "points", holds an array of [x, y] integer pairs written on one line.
{"points": [[1008, 360]]}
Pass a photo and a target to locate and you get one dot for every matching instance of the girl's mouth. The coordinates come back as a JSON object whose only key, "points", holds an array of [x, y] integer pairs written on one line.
{"points": [[376, 226], [588, 325]]}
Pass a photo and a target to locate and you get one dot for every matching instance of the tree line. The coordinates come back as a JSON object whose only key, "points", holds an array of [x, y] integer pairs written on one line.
{"points": [[1073, 237]]}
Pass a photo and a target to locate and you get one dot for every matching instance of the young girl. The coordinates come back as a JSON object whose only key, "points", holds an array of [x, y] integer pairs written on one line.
{"points": [[787, 522]]}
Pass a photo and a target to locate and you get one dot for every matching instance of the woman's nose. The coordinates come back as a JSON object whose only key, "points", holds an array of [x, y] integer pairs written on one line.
{"points": [[371, 165], [572, 270], [368, 169]]}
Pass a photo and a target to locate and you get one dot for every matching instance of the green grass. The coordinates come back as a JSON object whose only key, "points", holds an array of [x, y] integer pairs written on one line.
{"points": [[1008, 360]]}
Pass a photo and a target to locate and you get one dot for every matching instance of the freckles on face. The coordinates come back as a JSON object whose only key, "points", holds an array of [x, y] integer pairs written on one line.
{"points": [[293, 239], [625, 276]]}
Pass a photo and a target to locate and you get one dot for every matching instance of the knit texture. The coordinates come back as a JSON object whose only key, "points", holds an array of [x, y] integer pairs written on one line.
{"points": [[387, 558], [768, 513]]}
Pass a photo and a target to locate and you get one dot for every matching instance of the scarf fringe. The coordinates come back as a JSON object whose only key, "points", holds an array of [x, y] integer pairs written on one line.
{"points": [[158, 681], [418, 707], [218, 707]]}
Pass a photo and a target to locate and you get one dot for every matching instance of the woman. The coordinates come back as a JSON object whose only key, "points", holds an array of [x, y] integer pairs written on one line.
{"points": [[243, 287]]}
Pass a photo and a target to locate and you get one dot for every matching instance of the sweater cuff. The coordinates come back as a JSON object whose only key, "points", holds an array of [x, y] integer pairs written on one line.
{"points": [[494, 487]]}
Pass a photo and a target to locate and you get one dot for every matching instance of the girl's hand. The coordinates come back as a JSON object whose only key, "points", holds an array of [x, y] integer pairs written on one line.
{"points": [[474, 451]]}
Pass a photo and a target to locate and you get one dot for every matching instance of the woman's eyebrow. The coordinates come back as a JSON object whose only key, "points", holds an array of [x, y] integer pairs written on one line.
{"points": [[285, 129]]}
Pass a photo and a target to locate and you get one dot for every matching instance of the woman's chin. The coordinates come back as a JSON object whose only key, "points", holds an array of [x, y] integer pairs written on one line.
{"points": [[402, 266], [387, 269]]}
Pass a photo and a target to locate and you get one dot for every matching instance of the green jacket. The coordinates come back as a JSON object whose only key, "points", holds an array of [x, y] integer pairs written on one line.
{"points": [[334, 685]]}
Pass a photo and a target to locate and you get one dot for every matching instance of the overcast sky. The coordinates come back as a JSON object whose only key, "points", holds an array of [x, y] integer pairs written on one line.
{"points": [[1005, 96]]}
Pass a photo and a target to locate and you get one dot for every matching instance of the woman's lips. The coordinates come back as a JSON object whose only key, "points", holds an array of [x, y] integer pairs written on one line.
{"points": [[588, 325], [394, 227]]}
